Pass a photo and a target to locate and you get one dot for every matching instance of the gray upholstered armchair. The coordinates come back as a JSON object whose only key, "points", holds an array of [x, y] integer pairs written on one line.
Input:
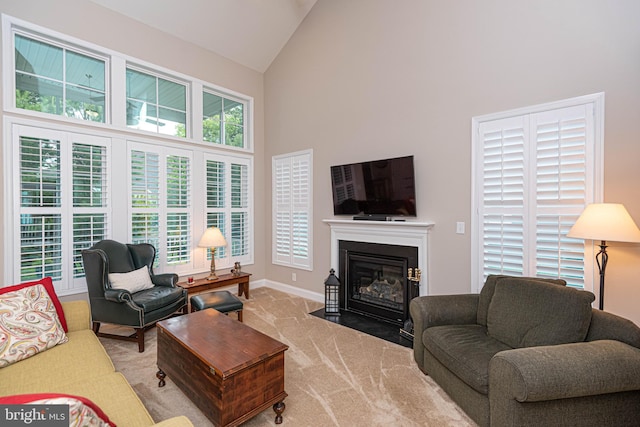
{"points": [[527, 352], [138, 309]]}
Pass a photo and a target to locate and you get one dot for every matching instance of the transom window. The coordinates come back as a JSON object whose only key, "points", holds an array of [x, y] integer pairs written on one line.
{"points": [[156, 104], [223, 121], [58, 80]]}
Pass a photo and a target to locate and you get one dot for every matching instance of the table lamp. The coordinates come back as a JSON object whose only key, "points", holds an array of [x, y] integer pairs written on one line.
{"points": [[605, 221], [212, 238]]}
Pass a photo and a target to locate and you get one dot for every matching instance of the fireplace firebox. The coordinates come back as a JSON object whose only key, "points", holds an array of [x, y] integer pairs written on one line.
{"points": [[373, 279]]}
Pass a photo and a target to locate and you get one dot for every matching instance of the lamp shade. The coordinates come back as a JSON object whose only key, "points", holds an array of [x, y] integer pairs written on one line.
{"points": [[607, 222], [212, 238]]}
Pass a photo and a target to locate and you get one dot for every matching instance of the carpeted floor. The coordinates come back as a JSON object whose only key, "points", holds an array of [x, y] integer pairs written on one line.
{"points": [[335, 376]]}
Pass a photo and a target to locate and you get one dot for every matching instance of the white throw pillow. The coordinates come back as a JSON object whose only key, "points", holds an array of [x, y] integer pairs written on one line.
{"points": [[134, 281]]}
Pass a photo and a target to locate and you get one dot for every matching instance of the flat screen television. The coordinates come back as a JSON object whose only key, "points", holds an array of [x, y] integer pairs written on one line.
{"points": [[378, 189]]}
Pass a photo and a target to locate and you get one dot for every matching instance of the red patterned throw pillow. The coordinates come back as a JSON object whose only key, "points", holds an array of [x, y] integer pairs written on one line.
{"points": [[48, 285], [82, 411], [29, 324]]}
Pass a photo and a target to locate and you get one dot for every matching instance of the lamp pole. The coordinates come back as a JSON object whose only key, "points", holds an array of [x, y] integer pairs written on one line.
{"points": [[601, 258]]}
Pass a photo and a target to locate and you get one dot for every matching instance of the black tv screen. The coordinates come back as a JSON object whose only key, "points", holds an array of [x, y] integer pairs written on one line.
{"points": [[375, 188]]}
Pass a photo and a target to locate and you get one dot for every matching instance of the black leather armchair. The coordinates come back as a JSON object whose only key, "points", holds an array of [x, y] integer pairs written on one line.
{"points": [[139, 310]]}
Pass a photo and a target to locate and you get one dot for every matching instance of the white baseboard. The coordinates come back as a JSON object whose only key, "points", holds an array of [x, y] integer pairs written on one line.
{"points": [[313, 296]]}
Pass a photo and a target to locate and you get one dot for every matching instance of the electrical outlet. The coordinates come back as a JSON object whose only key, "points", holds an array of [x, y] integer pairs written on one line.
{"points": [[460, 227], [294, 277]]}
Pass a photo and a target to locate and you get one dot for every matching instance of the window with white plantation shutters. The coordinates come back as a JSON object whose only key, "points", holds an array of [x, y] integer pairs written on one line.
{"points": [[228, 207], [178, 210], [160, 201], [90, 195], [75, 110], [292, 198], [64, 202], [145, 195], [536, 170]]}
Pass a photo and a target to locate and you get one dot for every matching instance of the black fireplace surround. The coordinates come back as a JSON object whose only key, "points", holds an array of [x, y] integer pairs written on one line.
{"points": [[373, 279]]}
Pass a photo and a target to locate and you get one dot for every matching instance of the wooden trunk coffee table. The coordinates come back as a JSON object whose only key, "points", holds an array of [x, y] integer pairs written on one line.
{"points": [[229, 370]]}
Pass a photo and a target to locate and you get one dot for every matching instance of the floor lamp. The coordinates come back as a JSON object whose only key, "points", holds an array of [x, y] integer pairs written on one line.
{"points": [[605, 222]]}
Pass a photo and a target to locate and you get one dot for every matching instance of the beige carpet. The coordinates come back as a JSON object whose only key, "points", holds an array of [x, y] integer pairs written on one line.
{"points": [[335, 376]]}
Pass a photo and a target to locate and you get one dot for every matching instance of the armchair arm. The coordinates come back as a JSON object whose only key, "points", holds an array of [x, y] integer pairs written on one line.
{"points": [[117, 295], [436, 310], [166, 279], [536, 374]]}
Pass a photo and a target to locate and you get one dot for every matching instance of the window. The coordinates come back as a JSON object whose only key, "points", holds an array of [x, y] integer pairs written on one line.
{"points": [[536, 170], [64, 197], [56, 79], [292, 197], [228, 205], [156, 104], [161, 203], [223, 121], [62, 174]]}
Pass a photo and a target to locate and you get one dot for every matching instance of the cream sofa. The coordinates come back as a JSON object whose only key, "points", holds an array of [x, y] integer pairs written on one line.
{"points": [[81, 367]]}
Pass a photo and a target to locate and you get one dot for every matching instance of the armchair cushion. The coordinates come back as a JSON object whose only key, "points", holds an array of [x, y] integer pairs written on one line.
{"points": [[465, 350], [526, 314], [133, 281], [489, 287], [157, 297]]}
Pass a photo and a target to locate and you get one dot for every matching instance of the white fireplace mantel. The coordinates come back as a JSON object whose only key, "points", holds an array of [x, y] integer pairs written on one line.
{"points": [[403, 233]]}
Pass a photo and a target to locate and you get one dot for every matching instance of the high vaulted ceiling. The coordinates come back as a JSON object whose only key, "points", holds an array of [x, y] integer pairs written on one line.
{"points": [[250, 32]]}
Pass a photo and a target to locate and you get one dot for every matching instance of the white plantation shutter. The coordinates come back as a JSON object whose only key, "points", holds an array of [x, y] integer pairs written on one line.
{"points": [[90, 199], [178, 209], [228, 207], [239, 210], [145, 199], [503, 189], [292, 197], [282, 218], [562, 141], [63, 206], [160, 203], [535, 173]]}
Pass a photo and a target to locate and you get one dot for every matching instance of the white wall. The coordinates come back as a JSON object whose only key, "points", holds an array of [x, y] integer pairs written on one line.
{"points": [[368, 79]]}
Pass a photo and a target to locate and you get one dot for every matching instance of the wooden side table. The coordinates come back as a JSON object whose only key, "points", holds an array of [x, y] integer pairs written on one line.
{"points": [[201, 285]]}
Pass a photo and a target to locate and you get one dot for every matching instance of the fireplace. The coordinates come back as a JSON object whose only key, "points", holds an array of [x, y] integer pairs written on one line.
{"points": [[374, 279]]}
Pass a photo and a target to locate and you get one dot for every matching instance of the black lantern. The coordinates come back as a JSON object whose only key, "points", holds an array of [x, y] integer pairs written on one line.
{"points": [[332, 294]]}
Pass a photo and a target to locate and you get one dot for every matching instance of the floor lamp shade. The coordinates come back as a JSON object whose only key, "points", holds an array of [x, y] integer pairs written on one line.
{"points": [[605, 222], [212, 238]]}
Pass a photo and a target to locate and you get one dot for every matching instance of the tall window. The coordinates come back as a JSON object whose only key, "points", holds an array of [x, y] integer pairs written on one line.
{"points": [[223, 121], [74, 183], [64, 202], [160, 203], [156, 104], [229, 205], [292, 207], [536, 170], [56, 79]]}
